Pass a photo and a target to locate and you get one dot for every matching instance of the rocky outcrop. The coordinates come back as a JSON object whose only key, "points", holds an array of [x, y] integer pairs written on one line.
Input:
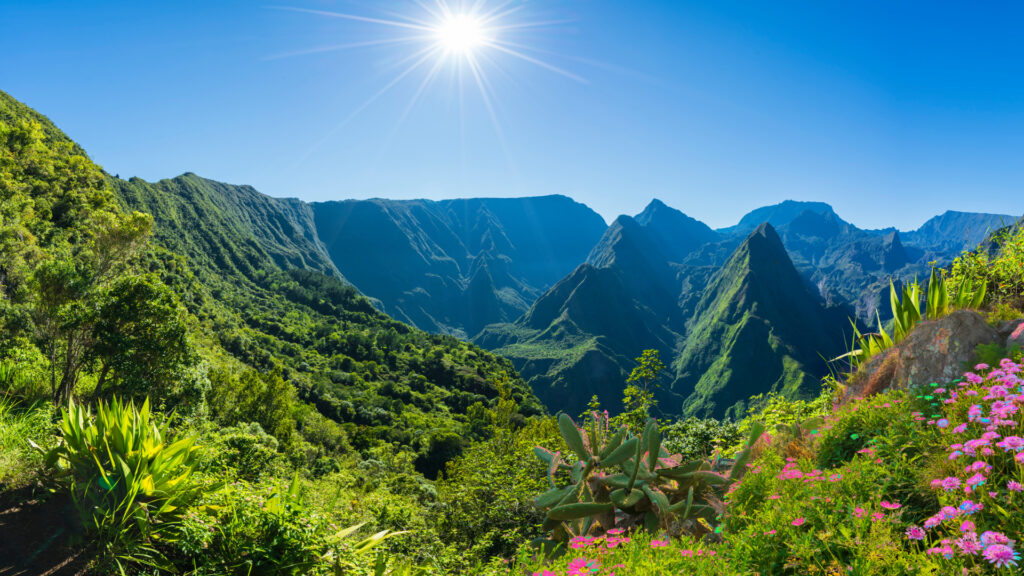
{"points": [[935, 351], [1014, 330]]}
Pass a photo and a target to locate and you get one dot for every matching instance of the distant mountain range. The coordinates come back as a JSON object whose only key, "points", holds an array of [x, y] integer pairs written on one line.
{"points": [[544, 282], [457, 265]]}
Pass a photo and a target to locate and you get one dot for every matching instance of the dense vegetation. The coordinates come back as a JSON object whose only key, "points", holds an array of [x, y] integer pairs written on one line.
{"points": [[188, 386]]}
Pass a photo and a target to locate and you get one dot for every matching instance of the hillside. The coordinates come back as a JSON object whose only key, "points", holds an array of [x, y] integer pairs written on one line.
{"points": [[455, 266], [264, 308]]}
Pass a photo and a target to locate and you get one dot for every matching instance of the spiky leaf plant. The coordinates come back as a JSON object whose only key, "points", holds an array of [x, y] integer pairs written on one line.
{"points": [[128, 478], [618, 480]]}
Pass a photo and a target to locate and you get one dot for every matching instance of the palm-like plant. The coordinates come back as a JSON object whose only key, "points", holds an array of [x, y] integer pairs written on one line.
{"points": [[128, 479]]}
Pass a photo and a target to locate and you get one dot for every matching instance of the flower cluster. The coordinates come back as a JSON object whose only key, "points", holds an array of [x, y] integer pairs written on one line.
{"points": [[990, 449]]}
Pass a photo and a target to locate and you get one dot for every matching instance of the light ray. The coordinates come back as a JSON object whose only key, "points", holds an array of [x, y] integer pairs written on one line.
{"points": [[535, 61], [427, 53], [357, 18], [471, 38], [350, 46]]}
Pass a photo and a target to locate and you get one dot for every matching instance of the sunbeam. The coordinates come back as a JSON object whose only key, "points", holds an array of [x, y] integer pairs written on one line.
{"points": [[467, 38]]}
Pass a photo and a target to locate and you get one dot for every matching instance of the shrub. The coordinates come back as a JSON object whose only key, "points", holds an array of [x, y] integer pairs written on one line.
{"points": [[129, 480], [699, 438]]}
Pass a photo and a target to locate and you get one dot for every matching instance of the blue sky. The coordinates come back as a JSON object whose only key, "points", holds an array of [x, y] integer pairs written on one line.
{"points": [[891, 112]]}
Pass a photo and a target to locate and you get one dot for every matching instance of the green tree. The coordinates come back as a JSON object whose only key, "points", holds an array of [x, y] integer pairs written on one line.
{"points": [[638, 396], [141, 339], [70, 289]]}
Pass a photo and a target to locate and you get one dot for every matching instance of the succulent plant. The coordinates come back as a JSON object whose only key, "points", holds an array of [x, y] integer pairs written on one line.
{"points": [[623, 481]]}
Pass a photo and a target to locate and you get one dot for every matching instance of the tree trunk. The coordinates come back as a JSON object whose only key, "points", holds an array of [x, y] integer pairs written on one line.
{"points": [[99, 383]]}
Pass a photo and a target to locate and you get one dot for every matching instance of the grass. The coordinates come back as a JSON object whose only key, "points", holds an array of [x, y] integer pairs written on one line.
{"points": [[19, 463]]}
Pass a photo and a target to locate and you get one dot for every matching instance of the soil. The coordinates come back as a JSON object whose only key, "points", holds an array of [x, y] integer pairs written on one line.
{"points": [[39, 535]]}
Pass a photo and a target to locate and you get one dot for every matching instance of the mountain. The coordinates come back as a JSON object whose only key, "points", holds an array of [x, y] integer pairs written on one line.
{"points": [[850, 265], [954, 231], [455, 266], [756, 328], [234, 229], [777, 215], [657, 280], [272, 334]]}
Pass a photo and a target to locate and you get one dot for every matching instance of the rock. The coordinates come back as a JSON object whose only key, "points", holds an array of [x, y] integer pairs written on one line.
{"points": [[935, 351], [1016, 337]]}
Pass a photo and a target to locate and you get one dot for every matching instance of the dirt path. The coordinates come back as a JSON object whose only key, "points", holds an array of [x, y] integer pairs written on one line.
{"points": [[38, 536]]}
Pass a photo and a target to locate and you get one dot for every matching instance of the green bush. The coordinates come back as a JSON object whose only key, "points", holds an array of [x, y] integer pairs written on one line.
{"points": [[129, 479], [700, 437]]}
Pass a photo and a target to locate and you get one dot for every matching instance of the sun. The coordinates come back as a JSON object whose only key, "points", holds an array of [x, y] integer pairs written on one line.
{"points": [[462, 34], [465, 40]]}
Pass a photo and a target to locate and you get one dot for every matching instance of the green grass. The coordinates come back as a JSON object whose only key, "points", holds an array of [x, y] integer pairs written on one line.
{"points": [[19, 463]]}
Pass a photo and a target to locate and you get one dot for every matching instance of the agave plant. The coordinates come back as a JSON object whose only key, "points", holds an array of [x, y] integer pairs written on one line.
{"points": [[622, 481], [906, 312], [966, 296], [128, 479]]}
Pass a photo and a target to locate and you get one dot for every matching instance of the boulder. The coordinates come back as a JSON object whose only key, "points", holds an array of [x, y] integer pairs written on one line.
{"points": [[1013, 331], [935, 351]]}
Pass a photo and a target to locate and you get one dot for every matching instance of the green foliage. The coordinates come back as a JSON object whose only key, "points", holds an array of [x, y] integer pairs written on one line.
{"points": [[142, 345], [19, 463], [250, 529], [485, 503], [776, 412], [695, 438], [968, 294], [637, 401], [999, 269], [130, 481], [621, 481]]}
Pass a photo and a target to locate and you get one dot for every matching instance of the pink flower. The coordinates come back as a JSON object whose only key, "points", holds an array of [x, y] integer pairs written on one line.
{"points": [[915, 533], [877, 517], [582, 567], [950, 483], [859, 512], [1014, 443], [891, 505], [967, 526], [769, 533], [969, 544], [1014, 486], [1001, 555], [659, 543], [798, 522]]}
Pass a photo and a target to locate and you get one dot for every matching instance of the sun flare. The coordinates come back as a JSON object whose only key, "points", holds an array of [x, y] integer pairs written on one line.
{"points": [[458, 39], [462, 34]]}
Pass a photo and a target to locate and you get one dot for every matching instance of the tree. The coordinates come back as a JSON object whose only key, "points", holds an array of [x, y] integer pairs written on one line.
{"points": [[639, 400], [69, 289], [140, 339]]}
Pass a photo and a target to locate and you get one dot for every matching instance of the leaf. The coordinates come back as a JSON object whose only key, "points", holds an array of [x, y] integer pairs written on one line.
{"points": [[571, 435], [621, 500], [620, 454], [552, 497], [579, 510], [653, 446], [544, 454], [613, 444], [658, 498], [712, 478]]}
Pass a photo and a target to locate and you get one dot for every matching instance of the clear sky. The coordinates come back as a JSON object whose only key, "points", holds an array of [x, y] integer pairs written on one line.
{"points": [[890, 111]]}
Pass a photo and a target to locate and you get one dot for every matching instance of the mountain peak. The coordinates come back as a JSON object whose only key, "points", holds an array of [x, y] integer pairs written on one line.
{"points": [[778, 214]]}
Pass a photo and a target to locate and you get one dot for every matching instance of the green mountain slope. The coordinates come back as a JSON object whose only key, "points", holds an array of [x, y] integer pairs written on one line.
{"points": [[242, 231], [756, 329], [281, 338], [455, 266]]}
